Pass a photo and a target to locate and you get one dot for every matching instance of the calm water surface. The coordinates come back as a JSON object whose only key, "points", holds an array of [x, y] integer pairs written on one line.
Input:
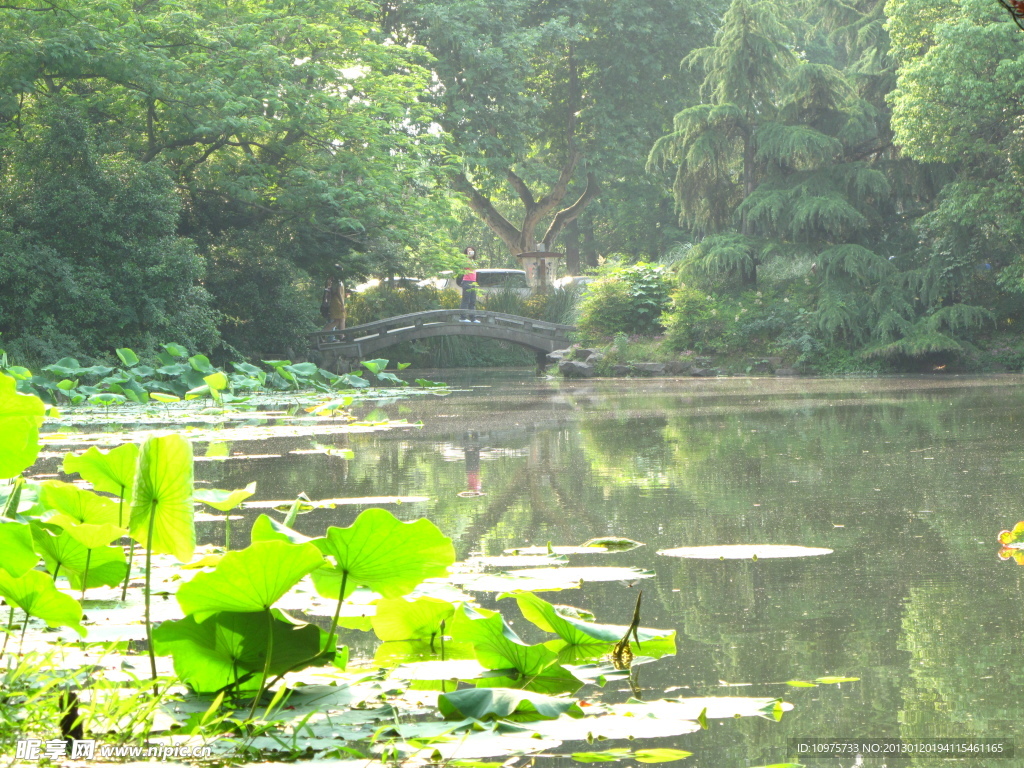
{"points": [[908, 480]]}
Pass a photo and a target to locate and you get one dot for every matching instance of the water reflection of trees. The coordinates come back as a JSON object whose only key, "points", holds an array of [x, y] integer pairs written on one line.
{"points": [[913, 600]]}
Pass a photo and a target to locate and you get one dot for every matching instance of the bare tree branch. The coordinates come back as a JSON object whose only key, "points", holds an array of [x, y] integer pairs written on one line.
{"points": [[492, 217], [566, 215]]}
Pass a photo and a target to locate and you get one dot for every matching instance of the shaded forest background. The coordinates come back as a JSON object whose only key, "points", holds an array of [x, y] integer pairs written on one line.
{"points": [[193, 171]]}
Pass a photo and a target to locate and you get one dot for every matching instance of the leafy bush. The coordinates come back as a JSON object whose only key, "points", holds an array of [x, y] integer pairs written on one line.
{"points": [[384, 301], [693, 321], [625, 299]]}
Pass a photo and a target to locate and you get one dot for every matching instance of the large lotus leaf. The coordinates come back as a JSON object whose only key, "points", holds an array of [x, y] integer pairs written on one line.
{"points": [[162, 497], [78, 504], [35, 594], [232, 647], [88, 535], [20, 418], [224, 501], [252, 579], [504, 704], [17, 553], [401, 619], [498, 647], [381, 552], [266, 528], [110, 471], [577, 632], [107, 565]]}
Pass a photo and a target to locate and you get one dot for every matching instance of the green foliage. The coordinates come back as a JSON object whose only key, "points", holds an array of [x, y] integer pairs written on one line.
{"points": [[693, 320], [387, 300], [624, 299], [20, 419]]}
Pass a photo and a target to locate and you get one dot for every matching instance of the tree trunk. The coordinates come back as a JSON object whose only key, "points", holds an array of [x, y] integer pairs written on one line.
{"points": [[572, 247], [748, 275], [589, 251]]}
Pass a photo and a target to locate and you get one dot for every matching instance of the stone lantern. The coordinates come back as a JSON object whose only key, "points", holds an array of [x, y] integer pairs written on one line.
{"points": [[541, 269]]}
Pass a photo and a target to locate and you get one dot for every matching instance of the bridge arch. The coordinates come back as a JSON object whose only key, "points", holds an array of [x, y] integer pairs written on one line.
{"points": [[361, 342]]}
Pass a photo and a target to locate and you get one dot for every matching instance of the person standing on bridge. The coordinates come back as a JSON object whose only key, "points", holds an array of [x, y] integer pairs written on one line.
{"points": [[467, 281]]}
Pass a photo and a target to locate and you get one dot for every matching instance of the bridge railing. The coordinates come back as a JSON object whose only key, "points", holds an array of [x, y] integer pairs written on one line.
{"points": [[379, 328]]}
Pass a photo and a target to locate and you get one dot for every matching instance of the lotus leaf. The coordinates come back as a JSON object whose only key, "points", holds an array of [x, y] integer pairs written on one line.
{"points": [[89, 535], [35, 594], [401, 619], [267, 529], [383, 553], [497, 647], [744, 551], [231, 648], [20, 419], [17, 553], [504, 704], [224, 501], [110, 471], [78, 504], [248, 580], [162, 497], [575, 631], [106, 565]]}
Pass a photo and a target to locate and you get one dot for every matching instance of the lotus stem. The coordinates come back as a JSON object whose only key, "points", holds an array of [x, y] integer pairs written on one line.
{"points": [[128, 575], [149, 574], [266, 663], [331, 645], [7, 634], [85, 576]]}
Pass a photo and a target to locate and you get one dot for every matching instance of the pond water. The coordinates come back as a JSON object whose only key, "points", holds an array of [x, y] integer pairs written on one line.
{"points": [[908, 481]]}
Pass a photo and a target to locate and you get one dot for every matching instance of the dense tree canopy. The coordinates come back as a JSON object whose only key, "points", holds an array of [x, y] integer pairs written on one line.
{"points": [[192, 171], [283, 125]]}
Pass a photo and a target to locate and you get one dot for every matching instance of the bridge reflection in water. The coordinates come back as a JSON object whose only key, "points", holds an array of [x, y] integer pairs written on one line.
{"points": [[361, 342]]}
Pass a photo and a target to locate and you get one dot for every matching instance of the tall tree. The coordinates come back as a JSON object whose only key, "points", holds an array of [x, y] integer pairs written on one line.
{"points": [[287, 120], [543, 100]]}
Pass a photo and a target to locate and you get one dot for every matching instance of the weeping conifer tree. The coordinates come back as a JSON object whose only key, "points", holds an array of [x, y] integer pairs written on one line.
{"points": [[790, 157]]}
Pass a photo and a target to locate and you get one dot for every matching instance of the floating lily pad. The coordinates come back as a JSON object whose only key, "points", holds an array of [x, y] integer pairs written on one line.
{"points": [[504, 704], [612, 544], [713, 707], [614, 726], [744, 551], [452, 669], [543, 579]]}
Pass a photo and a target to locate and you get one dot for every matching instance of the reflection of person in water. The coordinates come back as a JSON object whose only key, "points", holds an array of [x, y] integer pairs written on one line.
{"points": [[473, 470], [471, 451]]}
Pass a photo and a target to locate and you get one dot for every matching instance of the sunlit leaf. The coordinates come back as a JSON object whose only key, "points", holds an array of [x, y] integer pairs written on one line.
{"points": [[20, 419], [106, 566], [224, 501], [17, 553], [575, 631], [401, 619], [162, 497], [78, 503], [34, 593], [266, 528], [383, 553], [252, 579]]}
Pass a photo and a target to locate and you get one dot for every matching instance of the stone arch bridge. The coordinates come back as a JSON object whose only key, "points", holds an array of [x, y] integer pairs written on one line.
{"points": [[362, 342]]}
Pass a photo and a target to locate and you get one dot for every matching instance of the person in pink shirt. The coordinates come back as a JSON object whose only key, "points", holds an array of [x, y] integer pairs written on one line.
{"points": [[468, 284]]}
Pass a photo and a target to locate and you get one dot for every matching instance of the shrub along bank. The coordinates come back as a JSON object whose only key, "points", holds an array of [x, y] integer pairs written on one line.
{"points": [[646, 313]]}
